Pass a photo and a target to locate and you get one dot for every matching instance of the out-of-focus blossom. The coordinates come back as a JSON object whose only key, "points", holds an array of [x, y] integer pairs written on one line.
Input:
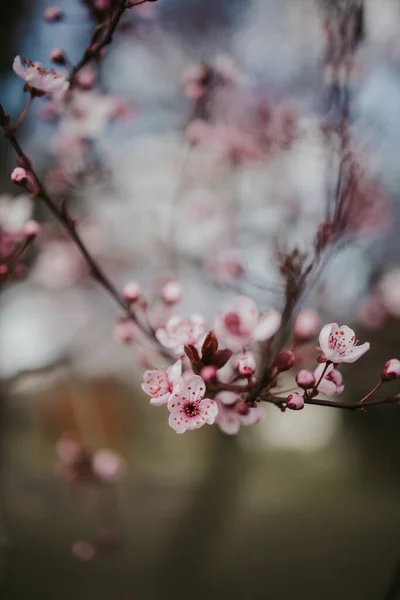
{"points": [[14, 212], [179, 332], [83, 550], [372, 312], [339, 344], [331, 383], [19, 176], [171, 292], [53, 14], [305, 325], [224, 266], [132, 291], [38, 81], [160, 384], [241, 324], [189, 409], [231, 414], [389, 288], [126, 331], [108, 466], [246, 364]]}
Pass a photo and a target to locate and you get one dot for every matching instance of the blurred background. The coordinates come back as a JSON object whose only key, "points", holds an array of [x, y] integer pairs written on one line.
{"points": [[301, 505]]}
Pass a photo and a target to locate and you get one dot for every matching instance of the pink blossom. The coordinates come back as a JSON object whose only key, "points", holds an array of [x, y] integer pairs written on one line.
{"points": [[38, 80], [246, 364], [391, 370], [159, 384], [306, 324], [52, 14], [178, 333], [295, 401], [19, 176], [331, 383], [189, 409], [126, 332], [208, 372], [231, 414], [339, 344], [241, 323], [108, 466], [171, 292]]}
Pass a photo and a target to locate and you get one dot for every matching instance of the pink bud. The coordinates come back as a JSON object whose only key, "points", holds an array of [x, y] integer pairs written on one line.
{"points": [[284, 361], [86, 78], [246, 364], [53, 14], [171, 292], [3, 270], [57, 56], [295, 401], [208, 373], [305, 379], [31, 229], [19, 176], [243, 408], [306, 325], [391, 370], [132, 291], [125, 332]]}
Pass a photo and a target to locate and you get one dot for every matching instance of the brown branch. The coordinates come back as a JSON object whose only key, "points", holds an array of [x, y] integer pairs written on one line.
{"points": [[281, 402]]}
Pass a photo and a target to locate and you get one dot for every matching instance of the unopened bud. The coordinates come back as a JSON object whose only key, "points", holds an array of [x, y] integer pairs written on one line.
{"points": [[57, 56], [305, 379], [132, 291], [125, 332], [31, 229], [391, 370], [53, 14], [295, 401], [19, 176], [171, 292], [284, 361], [246, 364], [208, 373]]}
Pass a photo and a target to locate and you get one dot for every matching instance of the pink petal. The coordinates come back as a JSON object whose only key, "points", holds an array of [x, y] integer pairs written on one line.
{"points": [[227, 397], [268, 325], [324, 337], [355, 353], [195, 388], [228, 423], [175, 371], [19, 68], [177, 423]]}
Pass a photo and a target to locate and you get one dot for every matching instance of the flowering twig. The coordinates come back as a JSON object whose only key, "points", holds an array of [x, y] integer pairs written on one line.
{"points": [[281, 402]]}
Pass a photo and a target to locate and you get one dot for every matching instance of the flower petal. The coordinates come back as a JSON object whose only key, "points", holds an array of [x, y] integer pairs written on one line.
{"points": [[175, 371], [267, 325], [324, 337], [355, 353], [177, 423], [195, 388]]}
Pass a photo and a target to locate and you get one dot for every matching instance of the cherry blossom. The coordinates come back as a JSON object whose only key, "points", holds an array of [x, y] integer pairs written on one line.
{"points": [[231, 414], [241, 324], [108, 466], [178, 333], [159, 384], [189, 409], [331, 383], [339, 344], [295, 401], [38, 80]]}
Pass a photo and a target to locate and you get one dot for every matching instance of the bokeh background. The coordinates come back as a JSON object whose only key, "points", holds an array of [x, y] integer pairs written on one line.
{"points": [[302, 505]]}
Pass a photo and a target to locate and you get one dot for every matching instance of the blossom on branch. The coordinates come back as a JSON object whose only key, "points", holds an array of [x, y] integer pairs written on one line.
{"points": [[189, 409], [159, 384], [331, 383], [179, 333], [38, 81], [233, 412], [339, 344], [241, 323]]}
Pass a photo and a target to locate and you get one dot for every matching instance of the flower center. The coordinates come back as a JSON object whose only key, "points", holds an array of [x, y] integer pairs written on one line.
{"points": [[191, 409], [232, 322]]}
